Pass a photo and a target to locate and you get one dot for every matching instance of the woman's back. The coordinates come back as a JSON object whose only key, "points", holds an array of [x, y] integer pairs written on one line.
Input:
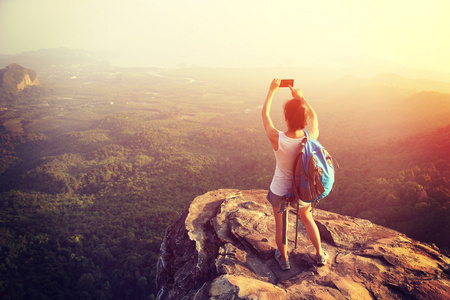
{"points": [[285, 156]]}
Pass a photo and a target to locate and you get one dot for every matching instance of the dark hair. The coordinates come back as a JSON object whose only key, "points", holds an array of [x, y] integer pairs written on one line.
{"points": [[295, 114]]}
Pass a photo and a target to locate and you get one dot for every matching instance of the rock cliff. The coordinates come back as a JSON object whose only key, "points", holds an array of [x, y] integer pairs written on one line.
{"points": [[17, 78], [222, 247], [13, 80]]}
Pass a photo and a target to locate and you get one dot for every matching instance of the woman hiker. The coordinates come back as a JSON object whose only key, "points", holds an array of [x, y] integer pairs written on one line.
{"points": [[285, 145]]}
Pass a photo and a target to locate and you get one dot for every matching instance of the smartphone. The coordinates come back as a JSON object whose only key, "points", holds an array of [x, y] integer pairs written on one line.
{"points": [[287, 82]]}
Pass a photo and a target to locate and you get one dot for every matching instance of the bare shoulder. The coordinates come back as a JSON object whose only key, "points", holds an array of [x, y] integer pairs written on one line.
{"points": [[313, 133]]}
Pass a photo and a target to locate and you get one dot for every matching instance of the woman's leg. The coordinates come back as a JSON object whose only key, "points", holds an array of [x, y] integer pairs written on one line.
{"points": [[311, 228], [279, 233]]}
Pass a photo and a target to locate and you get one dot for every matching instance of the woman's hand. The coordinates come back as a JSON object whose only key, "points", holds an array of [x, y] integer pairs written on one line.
{"points": [[275, 85], [296, 93]]}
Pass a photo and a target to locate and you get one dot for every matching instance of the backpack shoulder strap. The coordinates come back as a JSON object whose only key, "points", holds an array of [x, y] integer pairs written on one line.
{"points": [[306, 134], [297, 164]]}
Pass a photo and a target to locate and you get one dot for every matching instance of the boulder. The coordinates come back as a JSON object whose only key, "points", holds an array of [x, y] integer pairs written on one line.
{"points": [[222, 247]]}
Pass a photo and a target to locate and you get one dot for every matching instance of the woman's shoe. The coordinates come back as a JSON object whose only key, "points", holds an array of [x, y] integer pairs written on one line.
{"points": [[322, 259], [285, 265]]}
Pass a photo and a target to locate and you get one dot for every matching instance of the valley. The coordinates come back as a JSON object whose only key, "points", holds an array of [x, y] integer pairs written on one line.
{"points": [[92, 173]]}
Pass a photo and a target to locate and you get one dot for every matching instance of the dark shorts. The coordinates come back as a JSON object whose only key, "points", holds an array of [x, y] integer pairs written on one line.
{"points": [[276, 200]]}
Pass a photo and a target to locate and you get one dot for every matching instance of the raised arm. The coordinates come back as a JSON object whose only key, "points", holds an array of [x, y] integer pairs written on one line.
{"points": [[313, 122], [271, 131]]}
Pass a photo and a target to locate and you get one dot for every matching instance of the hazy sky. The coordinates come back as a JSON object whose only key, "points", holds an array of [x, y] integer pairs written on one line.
{"points": [[167, 33]]}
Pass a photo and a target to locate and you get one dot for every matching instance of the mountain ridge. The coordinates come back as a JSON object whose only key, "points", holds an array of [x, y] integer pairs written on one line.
{"points": [[46, 57]]}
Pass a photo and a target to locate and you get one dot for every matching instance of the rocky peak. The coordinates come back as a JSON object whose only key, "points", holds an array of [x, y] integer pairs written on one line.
{"points": [[16, 78], [13, 80], [222, 247]]}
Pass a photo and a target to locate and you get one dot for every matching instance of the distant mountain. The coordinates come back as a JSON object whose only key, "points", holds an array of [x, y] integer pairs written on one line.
{"points": [[387, 106], [424, 111], [44, 59], [363, 65], [408, 106], [18, 83], [384, 82], [422, 84]]}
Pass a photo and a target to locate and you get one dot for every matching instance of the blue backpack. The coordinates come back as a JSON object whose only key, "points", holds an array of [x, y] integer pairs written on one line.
{"points": [[313, 172], [312, 178]]}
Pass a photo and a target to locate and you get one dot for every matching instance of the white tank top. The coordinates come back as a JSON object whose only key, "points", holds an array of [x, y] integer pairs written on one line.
{"points": [[285, 156]]}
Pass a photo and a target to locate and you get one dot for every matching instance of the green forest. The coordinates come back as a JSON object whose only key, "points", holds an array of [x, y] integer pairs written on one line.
{"points": [[93, 173]]}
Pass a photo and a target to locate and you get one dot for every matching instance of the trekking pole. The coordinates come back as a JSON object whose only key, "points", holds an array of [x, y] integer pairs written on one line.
{"points": [[296, 226], [284, 234]]}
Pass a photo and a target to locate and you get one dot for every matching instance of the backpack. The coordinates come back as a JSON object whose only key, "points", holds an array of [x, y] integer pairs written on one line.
{"points": [[313, 171], [312, 177]]}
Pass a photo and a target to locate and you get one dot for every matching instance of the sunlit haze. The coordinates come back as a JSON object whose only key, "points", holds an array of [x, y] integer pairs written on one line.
{"points": [[234, 33]]}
